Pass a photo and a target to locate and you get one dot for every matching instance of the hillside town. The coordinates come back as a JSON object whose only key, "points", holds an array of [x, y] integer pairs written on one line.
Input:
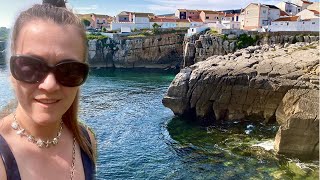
{"points": [[296, 15]]}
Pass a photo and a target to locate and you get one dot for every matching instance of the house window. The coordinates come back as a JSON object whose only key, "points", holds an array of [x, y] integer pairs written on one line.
{"points": [[125, 18], [190, 17], [217, 17], [237, 18], [247, 12], [264, 11], [232, 19], [104, 21], [207, 17], [313, 22], [97, 20]]}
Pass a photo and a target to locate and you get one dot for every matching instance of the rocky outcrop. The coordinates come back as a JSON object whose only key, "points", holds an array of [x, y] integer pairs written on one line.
{"points": [[297, 115], [207, 45], [2, 52], [252, 83], [161, 51]]}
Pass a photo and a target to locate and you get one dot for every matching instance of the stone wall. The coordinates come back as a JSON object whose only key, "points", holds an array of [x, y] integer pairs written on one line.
{"points": [[160, 51], [200, 47]]}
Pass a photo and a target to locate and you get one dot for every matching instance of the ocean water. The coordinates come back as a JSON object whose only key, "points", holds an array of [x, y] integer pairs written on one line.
{"points": [[138, 138]]}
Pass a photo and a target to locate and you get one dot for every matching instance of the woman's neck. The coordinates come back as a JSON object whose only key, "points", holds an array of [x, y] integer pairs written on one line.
{"points": [[39, 129]]}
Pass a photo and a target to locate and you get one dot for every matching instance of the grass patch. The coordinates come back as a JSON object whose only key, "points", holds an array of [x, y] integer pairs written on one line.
{"points": [[96, 36]]}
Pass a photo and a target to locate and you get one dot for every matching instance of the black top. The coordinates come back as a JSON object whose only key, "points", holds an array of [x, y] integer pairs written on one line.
{"points": [[12, 170]]}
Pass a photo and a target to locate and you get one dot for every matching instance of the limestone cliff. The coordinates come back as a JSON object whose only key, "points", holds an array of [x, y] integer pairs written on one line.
{"points": [[259, 82], [199, 47], [160, 51]]}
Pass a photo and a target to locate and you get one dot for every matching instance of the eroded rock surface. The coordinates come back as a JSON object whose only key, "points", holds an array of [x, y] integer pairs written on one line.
{"points": [[251, 83]]}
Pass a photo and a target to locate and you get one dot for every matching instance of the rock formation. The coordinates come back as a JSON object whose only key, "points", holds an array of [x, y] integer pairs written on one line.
{"points": [[268, 83], [161, 51], [202, 46], [2, 52]]}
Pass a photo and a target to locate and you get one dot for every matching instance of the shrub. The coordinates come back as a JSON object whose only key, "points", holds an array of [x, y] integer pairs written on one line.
{"points": [[96, 36], [244, 41]]}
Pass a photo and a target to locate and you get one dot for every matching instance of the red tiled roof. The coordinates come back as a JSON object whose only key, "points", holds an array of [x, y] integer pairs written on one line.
{"points": [[162, 20], [182, 20], [230, 15], [291, 18], [209, 12], [315, 12], [307, 2], [195, 20], [283, 13]]}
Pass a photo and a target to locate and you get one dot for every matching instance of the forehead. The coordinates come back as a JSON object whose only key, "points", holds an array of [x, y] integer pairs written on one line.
{"points": [[50, 40]]}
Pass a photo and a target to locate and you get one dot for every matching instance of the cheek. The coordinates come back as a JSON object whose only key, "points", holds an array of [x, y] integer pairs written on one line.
{"points": [[70, 94]]}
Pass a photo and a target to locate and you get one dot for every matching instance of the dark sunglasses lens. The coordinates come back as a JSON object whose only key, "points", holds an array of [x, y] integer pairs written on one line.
{"points": [[27, 69], [71, 74]]}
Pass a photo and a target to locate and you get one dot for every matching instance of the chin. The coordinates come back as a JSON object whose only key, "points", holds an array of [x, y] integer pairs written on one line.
{"points": [[45, 119]]}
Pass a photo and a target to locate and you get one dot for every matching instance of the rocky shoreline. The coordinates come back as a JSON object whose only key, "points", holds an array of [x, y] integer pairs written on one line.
{"points": [[160, 51], [264, 83]]}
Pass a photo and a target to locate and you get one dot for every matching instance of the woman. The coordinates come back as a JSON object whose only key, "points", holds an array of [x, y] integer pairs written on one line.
{"points": [[42, 138]]}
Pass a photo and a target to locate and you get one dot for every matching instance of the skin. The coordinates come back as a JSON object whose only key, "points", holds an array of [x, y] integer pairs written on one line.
{"points": [[41, 105]]}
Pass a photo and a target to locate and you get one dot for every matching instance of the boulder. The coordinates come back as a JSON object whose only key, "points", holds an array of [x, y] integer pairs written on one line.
{"points": [[298, 118]]}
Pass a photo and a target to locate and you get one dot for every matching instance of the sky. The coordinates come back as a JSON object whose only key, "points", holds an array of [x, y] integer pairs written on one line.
{"points": [[8, 11]]}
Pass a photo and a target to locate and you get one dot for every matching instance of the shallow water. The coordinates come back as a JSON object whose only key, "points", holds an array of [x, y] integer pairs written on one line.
{"points": [[138, 138]]}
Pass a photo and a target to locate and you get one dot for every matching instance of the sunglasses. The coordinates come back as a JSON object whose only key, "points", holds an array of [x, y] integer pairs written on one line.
{"points": [[32, 70]]}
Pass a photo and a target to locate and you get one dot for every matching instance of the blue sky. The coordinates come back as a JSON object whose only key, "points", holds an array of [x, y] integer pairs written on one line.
{"points": [[8, 11]]}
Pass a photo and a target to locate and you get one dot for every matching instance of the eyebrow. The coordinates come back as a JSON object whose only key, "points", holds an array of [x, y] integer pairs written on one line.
{"points": [[44, 59]]}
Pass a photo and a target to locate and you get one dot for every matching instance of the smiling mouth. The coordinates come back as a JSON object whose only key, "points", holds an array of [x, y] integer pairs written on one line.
{"points": [[47, 101]]}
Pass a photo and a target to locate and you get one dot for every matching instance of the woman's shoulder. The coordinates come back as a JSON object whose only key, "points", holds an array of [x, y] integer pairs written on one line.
{"points": [[5, 124], [4, 129]]}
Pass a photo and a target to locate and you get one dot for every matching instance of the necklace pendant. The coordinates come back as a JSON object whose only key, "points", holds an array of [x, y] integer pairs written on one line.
{"points": [[55, 141], [40, 143], [47, 143], [20, 132], [15, 125], [30, 138]]}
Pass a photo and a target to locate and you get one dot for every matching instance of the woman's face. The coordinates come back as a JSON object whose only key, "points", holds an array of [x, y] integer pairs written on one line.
{"points": [[46, 101]]}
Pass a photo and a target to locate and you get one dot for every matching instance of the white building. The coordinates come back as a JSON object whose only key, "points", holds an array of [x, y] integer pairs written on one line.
{"points": [[231, 21], [290, 8], [294, 23], [302, 3], [163, 22], [257, 15], [308, 14]]}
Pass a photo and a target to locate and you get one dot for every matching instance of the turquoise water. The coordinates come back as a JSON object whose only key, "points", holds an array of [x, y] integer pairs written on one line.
{"points": [[138, 138]]}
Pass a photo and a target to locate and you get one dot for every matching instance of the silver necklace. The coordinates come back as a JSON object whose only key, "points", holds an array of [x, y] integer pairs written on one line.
{"points": [[73, 163], [39, 142]]}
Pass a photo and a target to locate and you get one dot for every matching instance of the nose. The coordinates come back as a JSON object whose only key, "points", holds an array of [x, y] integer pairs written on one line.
{"points": [[50, 83]]}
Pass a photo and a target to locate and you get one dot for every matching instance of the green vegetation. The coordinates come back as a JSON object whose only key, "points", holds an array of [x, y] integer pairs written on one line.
{"points": [[4, 33], [155, 31], [85, 22], [104, 29], [96, 36], [155, 28], [213, 31], [244, 41]]}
